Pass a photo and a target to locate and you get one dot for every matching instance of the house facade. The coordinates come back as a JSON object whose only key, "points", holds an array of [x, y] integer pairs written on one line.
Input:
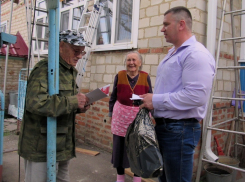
{"points": [[133, 25]]}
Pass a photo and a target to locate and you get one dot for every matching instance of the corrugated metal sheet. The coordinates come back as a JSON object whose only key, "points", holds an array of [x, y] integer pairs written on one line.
{"points": [[19, 49]]}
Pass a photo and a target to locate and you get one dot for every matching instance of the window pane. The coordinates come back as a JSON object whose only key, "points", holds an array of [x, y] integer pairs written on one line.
{"points": [[124, 23], [64, 20], [43, 6], [39, 33], [77, 12], [104, 29]]}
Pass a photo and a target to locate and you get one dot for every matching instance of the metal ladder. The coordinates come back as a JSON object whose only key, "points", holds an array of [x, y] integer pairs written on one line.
{"points": [[31, 11], [206, 154], [89, 31]]}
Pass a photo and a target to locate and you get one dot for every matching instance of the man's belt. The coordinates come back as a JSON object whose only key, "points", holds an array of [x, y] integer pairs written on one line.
{"points": [[160, 121]]}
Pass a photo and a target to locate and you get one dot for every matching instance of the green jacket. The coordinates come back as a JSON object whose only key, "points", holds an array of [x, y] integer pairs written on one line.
{"points": [[40, 105]]}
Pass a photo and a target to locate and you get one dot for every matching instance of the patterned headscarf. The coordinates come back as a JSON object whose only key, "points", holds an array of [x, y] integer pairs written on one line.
{"points": [[73, 37]]}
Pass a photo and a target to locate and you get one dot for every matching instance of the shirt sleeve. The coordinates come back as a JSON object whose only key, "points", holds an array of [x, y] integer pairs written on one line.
{"points": [[197, 76], [38, 100], [113, 97]]}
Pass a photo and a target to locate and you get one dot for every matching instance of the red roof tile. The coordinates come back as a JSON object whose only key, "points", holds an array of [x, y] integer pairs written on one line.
{"points": [[19, 49]]}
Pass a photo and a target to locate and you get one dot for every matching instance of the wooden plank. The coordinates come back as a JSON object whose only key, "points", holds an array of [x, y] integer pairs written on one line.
{"points": [[129, 173], [85, 151], [11, 150]]}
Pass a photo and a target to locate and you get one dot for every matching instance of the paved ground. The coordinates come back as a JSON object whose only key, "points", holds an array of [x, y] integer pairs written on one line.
{"points": [[84, 168]]}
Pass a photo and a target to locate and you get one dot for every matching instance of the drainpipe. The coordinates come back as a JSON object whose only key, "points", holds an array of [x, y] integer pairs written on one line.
{"points": [[1, 122], [207, 121], [7, 52], [1, 132], [211, 26], [211, 37]]}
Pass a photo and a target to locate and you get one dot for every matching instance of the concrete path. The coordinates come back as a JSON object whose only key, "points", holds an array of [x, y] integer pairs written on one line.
{"points": [[83, 168]]}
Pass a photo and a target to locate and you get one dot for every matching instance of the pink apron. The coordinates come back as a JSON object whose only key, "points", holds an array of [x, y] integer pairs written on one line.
{"points": [[122, 117]]}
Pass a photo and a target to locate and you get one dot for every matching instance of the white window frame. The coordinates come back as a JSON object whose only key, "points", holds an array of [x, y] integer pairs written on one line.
{"points": [[113, 45], [134, 32], [4, 23], [44, 16]]}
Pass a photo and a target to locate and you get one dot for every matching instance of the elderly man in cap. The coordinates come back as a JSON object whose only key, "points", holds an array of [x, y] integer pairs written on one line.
{"points": [[64, 106]]}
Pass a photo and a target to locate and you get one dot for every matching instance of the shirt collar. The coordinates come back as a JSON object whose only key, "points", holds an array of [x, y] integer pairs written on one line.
{"points": [[64, 63], [187, 43]]}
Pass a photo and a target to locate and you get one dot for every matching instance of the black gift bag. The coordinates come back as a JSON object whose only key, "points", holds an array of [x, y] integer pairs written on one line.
{"points": [[142, 147]]}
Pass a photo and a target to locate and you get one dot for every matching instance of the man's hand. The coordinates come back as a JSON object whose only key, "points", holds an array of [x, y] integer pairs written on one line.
{"points": [[82, 100], [83, 110], [147, 101]]}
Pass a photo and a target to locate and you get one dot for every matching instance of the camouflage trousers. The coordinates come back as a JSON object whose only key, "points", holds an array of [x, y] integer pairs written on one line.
{"points": [[37, 171]]}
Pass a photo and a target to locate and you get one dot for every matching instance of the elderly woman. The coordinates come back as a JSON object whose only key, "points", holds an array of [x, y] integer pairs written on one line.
{"points": [[121, 108]]}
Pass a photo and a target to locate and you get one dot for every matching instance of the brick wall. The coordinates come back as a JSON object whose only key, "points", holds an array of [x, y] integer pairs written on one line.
{"points": [[222, 111], [14, 67], [18, 18], [94, 126]]}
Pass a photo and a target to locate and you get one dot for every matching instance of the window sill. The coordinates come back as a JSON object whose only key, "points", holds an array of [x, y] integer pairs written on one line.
{"points": [[112, 48]]}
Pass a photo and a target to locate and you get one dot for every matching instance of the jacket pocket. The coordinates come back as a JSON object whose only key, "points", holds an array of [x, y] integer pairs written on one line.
{"points": [[60, 140], [66, 89]]}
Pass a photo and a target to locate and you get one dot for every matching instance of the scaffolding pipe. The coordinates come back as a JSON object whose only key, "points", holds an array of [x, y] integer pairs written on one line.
{"points": [[57, 23], [236, 72], [53, 71], [1, 124], [242, 53], [3, 96], [7, 53], [1, 132]]}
